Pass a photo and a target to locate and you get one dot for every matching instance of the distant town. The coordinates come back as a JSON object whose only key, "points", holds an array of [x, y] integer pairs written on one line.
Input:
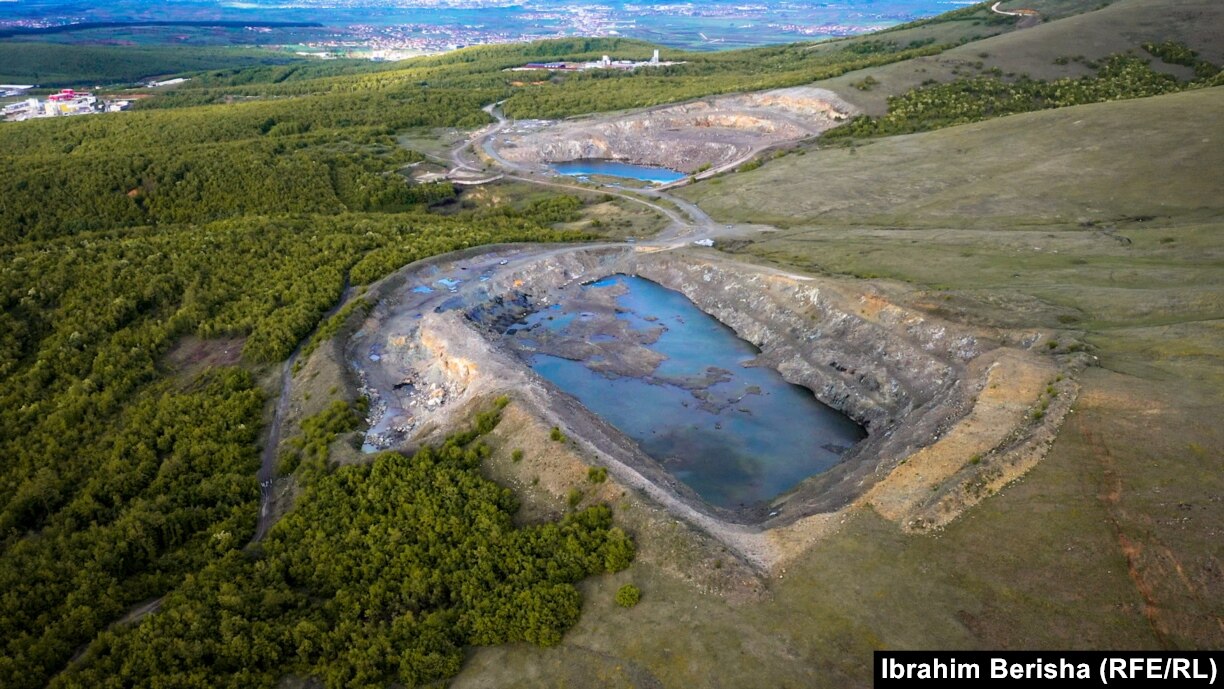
{"points": [[382, 30]]}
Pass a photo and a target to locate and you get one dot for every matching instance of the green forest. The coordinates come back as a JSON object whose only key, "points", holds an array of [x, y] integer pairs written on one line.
{"points": [[116, 478], [119, 236], [385, 572], [480, 71], [52, 65]]}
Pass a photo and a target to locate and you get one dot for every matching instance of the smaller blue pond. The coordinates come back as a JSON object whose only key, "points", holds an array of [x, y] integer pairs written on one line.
{"points": [[614, 168]]}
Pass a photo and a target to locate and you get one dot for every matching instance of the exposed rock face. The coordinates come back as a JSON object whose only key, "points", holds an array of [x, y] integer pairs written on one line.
{"points": [[686, 137], [899, 374], [935, 397]]}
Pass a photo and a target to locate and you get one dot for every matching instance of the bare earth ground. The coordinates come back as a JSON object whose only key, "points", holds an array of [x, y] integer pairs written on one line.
{"points": [[191, 355]]}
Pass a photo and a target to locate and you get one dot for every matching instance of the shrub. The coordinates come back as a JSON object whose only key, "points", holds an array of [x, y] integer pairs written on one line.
{"points": [[516, 456], [557, 435], [628, 596], [575, 497], [866, 84], [287, 462], [597, 474]]}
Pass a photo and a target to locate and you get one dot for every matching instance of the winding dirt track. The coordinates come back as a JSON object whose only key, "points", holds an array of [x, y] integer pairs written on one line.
{"points": [[1028, 17]]}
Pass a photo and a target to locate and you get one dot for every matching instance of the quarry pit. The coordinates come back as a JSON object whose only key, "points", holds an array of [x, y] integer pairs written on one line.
{"points": [[951, 413], [706, 135]]}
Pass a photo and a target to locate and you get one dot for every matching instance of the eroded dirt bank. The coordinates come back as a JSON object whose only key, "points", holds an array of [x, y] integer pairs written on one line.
{"points": [[712, 132], [949, 410]]}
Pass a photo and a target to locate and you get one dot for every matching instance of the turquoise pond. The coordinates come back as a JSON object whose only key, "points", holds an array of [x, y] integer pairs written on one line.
{"points": [[737, 435], [613, 168]]}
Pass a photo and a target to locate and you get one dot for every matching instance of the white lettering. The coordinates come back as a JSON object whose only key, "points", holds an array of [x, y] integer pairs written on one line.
{"points": [[1202, 674], [891, 668], [998, 668], [1040, 669]]}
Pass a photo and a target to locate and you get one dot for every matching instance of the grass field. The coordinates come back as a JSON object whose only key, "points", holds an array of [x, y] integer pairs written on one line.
{"points": [[1102, 216]]}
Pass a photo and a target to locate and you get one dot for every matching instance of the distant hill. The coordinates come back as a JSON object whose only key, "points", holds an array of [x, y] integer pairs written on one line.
{"points": [[1095, 33]]}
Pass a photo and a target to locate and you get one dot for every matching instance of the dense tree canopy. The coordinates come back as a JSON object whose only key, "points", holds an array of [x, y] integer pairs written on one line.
{"points": [[383, 572], [59, 64], [91, 431], [119, 236]]}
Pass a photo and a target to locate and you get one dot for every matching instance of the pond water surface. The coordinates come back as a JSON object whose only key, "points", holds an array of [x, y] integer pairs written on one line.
{"points": [[615, 168], [736, 435]]}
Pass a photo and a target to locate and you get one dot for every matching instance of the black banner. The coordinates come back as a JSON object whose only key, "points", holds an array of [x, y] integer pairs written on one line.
{"points": [[1042, 668]]}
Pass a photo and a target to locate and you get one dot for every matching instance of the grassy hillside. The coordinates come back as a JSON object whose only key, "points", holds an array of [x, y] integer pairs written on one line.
{"points": [[1093, 34], [1093, 163], [1093, 218]]}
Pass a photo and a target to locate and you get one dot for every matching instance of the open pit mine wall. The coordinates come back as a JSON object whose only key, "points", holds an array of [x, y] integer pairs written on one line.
{"points": [[628, 144], [684, 140], [687, 136], [900, 374]]}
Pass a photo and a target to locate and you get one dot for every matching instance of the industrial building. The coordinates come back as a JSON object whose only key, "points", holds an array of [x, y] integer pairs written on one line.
{"points": [[606, 62], [63, 104]]}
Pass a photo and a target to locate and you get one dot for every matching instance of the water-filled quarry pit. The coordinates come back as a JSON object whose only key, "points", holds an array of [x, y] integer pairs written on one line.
{"points": [[875, 403], [684, 387]]}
